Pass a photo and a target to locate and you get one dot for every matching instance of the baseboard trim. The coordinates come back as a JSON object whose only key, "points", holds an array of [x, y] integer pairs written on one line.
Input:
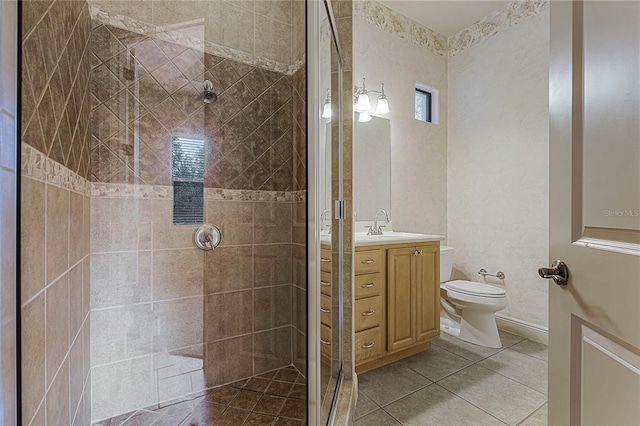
{"points": [[522, 328]]}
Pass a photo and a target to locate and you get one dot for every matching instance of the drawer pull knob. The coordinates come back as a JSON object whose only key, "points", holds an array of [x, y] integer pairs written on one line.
{"points": [[369, 285], [368, 262], [368, 346], [325, 283], [323, 259], [325, 342], [326, 311], [367, 314]]}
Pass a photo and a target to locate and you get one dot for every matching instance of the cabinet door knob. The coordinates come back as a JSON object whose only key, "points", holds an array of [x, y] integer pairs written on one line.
{"points": [[368, 285], [368, 346], [324, 283], [326, 311], [367, 314]]}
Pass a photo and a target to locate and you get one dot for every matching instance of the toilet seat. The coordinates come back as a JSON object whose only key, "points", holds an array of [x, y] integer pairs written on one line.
{"points": [[475, 289]]}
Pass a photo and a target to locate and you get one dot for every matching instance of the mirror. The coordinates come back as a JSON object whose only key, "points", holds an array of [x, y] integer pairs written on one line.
{"points": [[371, 168]]}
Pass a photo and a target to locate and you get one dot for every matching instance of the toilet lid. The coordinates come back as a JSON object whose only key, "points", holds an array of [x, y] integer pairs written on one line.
{"points": [[475, 289]]}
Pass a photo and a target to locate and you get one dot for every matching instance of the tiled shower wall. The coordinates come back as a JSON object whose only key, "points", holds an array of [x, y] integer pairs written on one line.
{"points": [[55, 212], [168, 319]]}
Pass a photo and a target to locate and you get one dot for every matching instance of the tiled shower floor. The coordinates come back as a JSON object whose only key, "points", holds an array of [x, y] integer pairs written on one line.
{"points": [[276, 398]]}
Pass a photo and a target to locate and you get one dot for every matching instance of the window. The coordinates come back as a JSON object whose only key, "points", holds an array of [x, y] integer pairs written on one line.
{"points": [[187, 173], [426, 108]]}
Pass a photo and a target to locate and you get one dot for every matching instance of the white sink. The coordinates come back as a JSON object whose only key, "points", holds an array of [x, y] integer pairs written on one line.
{"points": [[362, 239]]}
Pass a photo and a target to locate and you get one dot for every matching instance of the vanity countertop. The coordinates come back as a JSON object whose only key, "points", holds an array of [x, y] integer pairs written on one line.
{"points": [[389, 237]]}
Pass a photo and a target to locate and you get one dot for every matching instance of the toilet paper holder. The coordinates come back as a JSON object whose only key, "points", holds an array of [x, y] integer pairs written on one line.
{"points": [[498, 274]]}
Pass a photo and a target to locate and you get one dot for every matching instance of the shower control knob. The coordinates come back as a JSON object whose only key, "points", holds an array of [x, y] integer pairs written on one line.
{"points": [[558, 272]]}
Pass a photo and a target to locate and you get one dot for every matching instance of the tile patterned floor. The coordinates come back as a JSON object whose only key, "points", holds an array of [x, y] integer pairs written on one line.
{"points": [[457, 383], [277, 398]]}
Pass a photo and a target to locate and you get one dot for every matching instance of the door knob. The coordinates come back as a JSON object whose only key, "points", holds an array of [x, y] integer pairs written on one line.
{"points": [[558, 272]]}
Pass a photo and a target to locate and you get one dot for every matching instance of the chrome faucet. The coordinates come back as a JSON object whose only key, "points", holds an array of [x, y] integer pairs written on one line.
{"points": [[322, 218], [377, 229]]}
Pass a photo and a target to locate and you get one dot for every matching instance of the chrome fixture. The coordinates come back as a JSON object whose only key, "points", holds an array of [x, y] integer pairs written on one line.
{"points": [[322, 219], [498, 274], [377, 229], [362, 103], [326, 110], [207, 237], [558, 272], [209, 95]]}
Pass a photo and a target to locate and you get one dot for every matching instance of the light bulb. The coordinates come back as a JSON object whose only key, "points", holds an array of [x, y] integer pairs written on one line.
{"points": [[363, 118], [363, 103], [326, 111], [383, 106]]}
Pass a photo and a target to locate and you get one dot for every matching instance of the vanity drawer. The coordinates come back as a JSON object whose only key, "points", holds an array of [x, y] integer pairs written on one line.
{"points": [[325, 260], [325, 309], [368, 262], [368, 313], [325, 283], [368, 345], [369, 285], [325, 343]]}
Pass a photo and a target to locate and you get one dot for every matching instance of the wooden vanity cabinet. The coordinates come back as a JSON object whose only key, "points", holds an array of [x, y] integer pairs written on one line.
{"points": [[402, 281]]}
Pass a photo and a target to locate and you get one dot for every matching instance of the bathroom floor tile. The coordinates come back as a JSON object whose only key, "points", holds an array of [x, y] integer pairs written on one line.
{"points": [[377, 418], [532, 348], [435, 405], [464, 349], [509, 339], [436, 363], [539, 418], [503, 398], [364, 406], [522, 368], [391, 382]]}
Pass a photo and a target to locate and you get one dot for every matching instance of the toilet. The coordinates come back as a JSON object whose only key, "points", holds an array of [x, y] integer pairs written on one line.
{"points": [[468, 308]]}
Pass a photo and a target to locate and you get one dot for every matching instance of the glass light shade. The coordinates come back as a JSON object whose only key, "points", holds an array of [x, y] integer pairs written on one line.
{"points": [[363, 118], [383, 106], [326, 111], [363, 103]]}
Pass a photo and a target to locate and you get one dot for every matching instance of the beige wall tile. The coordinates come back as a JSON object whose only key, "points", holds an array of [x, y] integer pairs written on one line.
{"points": [[299, 349], [57, 232], [299, 223], [299, 265], [115, 224], [31, 243], [228, 360], [272, 265], [299, 308], [228, 269], [58, 398], [76, 374], [86, 286], [235, 220], [280, 10], [177, 273], [227, 315], [272, 349], [179, 323], [271, 307], [33, 356], [274, 41], [272, 222], [76, 228], [76, 313], [86, 222], [120, 278], [57, 324], [237, 26], [140, 9]]}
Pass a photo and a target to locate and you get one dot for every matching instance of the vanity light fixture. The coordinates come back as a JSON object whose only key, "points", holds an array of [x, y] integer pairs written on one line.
{"points": [[326, 110], [362, 104]]}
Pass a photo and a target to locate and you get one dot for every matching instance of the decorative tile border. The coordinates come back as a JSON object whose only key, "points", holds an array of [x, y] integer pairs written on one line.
{"points": [[494, 23], [386, 19], [36, 165], [119, 190], [380, 16], [162, 33]]}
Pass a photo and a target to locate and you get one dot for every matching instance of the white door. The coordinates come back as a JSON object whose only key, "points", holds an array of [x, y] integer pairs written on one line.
{"points": [[594, 323]]}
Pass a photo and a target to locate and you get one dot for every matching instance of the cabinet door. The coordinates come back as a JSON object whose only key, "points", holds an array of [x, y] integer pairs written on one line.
{"points": [[401, 292], [428, 291]]}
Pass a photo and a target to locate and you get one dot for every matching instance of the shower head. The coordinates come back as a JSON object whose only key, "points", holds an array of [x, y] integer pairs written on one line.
{"points": [[209, 95]]}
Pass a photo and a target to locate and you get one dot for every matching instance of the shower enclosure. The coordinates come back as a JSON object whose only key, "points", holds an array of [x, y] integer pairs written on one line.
{"points": [[142, 122]]}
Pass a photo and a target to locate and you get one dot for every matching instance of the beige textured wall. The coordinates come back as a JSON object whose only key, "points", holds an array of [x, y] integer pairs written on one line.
{"points": [[498, 163], [55, 212]]}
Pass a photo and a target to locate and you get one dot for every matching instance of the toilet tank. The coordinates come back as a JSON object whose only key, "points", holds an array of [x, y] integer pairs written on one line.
{"points": [[446, 263]]}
